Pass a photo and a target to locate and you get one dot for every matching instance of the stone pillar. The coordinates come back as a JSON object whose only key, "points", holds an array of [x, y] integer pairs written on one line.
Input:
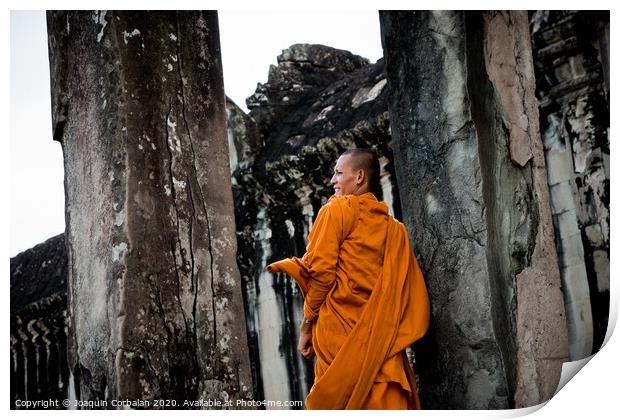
{"points": [[155, 302], [473, 189]]}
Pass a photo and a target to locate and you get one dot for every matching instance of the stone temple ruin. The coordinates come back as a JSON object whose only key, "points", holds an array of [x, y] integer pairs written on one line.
{"points": [[493, 135]]}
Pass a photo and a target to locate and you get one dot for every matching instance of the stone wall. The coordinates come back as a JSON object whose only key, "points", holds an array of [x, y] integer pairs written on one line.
{"points": [[39, 368], [572, 73]]}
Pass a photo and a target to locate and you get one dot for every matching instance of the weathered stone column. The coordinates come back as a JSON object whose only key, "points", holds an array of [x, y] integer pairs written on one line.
{"points": [[155, 300], [471, 173]]}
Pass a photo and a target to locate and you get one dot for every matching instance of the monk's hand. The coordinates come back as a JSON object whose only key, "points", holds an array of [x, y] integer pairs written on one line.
{"points": [[305, 340]]}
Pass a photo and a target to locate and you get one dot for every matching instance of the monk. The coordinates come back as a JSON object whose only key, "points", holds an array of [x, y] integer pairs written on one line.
{"points": [[365, 299]]}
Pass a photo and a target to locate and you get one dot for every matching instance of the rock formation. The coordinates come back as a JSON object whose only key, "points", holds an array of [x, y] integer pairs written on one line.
{"points": [[154, 296]]}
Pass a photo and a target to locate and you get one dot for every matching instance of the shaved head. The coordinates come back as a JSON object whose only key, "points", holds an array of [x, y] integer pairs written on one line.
{"points": [[367, 161]]}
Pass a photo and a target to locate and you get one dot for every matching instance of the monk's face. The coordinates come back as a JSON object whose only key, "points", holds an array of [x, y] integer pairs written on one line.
{"points": [[345, 179]]}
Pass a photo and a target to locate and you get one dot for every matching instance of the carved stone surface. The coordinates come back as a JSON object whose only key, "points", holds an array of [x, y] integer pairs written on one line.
{"points": [[471, 174], [38, 273], [39, 369], [572, 74], [302, 72], [155, 297]]}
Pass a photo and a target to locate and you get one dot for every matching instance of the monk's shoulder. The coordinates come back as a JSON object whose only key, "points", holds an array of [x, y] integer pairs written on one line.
{"points": [[341, 205], [342, 211]]}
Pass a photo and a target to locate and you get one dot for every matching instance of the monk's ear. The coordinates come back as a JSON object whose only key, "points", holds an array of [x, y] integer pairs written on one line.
{"points": [[361, 176]]}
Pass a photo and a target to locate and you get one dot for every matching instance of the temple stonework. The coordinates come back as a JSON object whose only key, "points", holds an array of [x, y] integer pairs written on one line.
{"points": [[492, 130]]}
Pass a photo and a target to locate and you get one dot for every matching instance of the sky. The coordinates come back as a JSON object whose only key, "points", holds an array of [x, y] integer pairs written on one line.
{"points": [[250, 43]]}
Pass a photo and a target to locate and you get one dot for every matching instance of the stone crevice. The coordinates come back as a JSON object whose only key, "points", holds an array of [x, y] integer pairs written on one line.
{"points": [[170, 341], [144, 354], [470, 233], [194, 280], [430, 229], [178, 229], [213, 350]]}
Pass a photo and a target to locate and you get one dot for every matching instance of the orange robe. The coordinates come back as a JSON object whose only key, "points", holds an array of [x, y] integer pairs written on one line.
{"points": [[362, 284]]}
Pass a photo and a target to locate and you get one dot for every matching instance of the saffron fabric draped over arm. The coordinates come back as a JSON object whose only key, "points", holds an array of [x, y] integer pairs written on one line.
{"points": [[332, 224], [315, 272]]}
